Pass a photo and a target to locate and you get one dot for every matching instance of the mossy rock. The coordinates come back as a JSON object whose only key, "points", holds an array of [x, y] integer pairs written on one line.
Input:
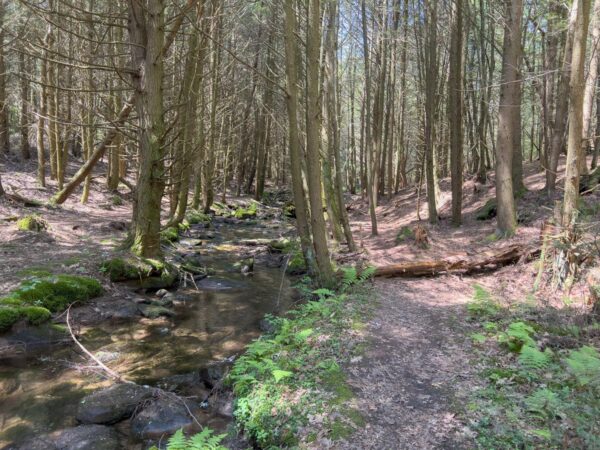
{"points": [[404, 235], [246, 213], [170, 235], [151, 273], [32, 223], [53, 293], [35, 315], [195, 217], [488, 211], [289, 210], [8, 316], [154, 311], [119, 269]]}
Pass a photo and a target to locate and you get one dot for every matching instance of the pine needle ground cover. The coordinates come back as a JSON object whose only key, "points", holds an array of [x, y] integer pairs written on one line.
{"points": [[289, 385], [540, 376]]}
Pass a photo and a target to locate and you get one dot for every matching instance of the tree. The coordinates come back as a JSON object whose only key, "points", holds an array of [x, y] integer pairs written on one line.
{"points": [[455, 113], [508, 108], [313, 142], [576, 93]]}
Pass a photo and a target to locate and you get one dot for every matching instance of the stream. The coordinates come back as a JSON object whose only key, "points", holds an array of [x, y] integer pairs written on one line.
{"points": [[40, 394]]}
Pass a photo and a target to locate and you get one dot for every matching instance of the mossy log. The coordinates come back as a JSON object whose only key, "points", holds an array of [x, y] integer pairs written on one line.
{"points": [[482, 262]]}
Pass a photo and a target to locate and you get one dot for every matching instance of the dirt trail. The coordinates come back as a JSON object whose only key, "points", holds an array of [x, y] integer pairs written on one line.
{"points": [[414, 376]]}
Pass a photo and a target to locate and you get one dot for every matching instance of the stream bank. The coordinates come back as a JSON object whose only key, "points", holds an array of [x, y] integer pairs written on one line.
{"points": [[184, 349]]}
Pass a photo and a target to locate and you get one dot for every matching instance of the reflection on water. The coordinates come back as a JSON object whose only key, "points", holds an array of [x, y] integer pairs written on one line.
{"points": [[41, 395]]}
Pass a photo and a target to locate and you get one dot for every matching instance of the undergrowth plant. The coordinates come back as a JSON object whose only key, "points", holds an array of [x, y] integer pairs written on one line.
{"points": [[535, 396], [290, 377], [205, 440]]}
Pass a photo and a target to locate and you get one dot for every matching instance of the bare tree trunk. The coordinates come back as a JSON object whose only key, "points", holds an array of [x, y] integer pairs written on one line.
{"points": [[576, 93], [561, 110], [209, 160], [146, 31], [371, 186], [590, 91], [431, 83], [511, 55], [4, 129], [455, 111], [24, 117], [313, 144]]}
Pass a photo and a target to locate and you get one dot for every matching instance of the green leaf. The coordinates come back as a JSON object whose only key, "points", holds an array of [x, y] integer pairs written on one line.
{"points": [[281, 374]]}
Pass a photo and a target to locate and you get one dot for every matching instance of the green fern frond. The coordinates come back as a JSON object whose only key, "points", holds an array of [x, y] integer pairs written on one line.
{"points": [[177, 442], [543, 403], [517, 336], [367, 274], [585, 365], [532, 358]]}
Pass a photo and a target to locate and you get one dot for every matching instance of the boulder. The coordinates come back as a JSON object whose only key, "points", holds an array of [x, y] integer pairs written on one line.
{"points": [[154, 311], [124, 312], [35, 443], [113, 404], [212, 374], [161, 418], [87, 437]]}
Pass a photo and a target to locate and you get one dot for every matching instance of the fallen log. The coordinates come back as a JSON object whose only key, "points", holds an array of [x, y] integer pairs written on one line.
{"points": [[482, 262]]}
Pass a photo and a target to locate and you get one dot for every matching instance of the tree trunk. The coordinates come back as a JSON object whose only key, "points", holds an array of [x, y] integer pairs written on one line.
{"points": [[313, 142], [292, 104], [511, 55], [576, 93], [146, 31], [455, 111], [590, 91]]}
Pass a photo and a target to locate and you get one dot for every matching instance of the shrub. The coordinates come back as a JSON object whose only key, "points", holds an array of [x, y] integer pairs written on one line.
{"points": [[32, 223]]}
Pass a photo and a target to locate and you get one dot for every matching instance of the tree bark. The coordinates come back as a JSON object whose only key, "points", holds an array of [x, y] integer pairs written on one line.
{"points": [[455, 111], [509, 94], [313, 142]]}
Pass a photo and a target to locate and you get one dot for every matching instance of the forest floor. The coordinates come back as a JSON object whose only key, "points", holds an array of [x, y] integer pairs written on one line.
{"points": [[416, 380], [422, 367]]}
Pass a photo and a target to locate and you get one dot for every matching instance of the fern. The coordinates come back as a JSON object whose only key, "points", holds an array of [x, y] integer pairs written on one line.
{"points": [[543, 403], [517, 336], [532, 358], [367, 274], [483, 303], [585, 365], [205, 440], [178, 441]]}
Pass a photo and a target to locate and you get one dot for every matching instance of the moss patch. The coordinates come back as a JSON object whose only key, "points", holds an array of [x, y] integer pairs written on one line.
{"points": [[195, 217], [151, 273], [32, 223], [35, 315], [246, 213], [54, 293], [8, 316]]}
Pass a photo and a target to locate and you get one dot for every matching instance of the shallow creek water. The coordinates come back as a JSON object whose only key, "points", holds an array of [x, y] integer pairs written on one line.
{"points": [[41, 394]]}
